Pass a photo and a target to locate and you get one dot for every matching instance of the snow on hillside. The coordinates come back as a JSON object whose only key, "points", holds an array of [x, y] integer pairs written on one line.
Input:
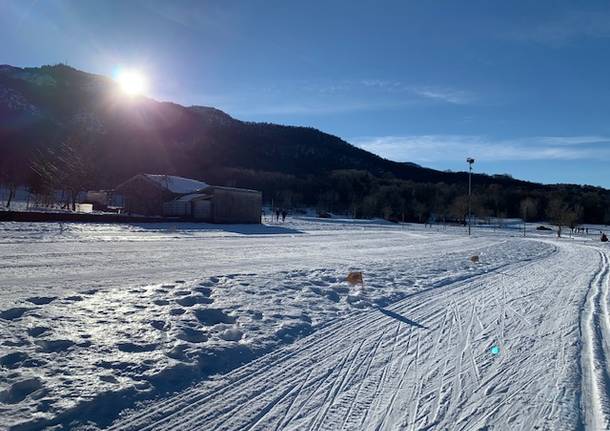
{"points": [[98, 317]]}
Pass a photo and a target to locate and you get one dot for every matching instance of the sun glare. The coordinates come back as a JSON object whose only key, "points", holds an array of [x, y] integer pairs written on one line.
{"points": [[132, 82]]}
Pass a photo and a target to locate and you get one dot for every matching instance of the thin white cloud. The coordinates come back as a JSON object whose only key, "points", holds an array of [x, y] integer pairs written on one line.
{"points": [[443, 148], [433, 93], [343, 96], [317, 108], [448, 95]]}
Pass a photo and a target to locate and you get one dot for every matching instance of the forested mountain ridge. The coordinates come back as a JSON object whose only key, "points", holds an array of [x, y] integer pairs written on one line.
{"points": [[41, 108]]}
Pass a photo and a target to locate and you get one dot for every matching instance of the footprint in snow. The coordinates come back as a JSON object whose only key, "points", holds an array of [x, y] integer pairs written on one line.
{"points": [[13, 313], [37, 331], [18, 391], [177, 311], [161, 302], [54, 346], [256, 315], [108, 379], [136, 348], [203, 290], [13, 360], [192, 335], [332, 295], [160, 325], [189, 301], [212, 316], [41, 300]]}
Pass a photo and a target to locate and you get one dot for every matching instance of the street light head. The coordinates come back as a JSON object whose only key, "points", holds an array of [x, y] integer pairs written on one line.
{"points": [[470, 160]]}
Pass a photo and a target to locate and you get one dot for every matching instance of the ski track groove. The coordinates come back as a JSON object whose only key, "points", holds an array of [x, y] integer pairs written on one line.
{"points": [[595, 364], [331, 395], [362, 380]]}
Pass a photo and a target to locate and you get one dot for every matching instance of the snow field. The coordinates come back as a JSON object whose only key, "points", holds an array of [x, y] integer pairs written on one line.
{"points": [[87, 351], [422, 363]]}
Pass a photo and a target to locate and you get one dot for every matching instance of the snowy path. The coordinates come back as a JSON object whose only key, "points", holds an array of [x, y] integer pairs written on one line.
{"points": [[425, 362], [595, 326]]}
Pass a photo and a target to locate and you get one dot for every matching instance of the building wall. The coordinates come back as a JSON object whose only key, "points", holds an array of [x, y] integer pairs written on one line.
{"points": [[202, 209], [236, 206], [177, 209], [142, 197]]}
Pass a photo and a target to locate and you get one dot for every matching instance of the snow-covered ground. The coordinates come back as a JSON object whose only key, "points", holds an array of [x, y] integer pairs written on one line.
{"points": [[254, 327]]}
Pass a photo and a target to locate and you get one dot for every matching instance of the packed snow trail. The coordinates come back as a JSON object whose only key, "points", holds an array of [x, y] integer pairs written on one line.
{"points": [[595, 327], [426, 362]]}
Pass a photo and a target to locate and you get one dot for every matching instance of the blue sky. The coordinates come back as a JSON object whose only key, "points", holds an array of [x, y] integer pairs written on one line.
{"points": [[523, 87]]}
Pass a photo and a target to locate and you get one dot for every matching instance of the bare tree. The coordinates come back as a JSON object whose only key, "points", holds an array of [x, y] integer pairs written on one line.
{"points": [[10, 178], [529, 209], [69, 168], [560, 214]]}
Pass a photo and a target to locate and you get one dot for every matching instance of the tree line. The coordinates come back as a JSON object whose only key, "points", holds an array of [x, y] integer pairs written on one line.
{"points": [[71, 168], [360, 194]]}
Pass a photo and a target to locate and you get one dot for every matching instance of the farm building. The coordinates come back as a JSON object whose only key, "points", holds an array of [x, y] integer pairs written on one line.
{"points": [[145, 194], [217, 204], [172, 196]]}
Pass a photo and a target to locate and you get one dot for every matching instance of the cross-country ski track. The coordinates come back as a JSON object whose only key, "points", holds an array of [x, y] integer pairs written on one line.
{"points": [[425, 362]]}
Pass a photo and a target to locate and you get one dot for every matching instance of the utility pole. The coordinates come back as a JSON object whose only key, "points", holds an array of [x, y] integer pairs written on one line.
{"points": [[470, 161]]}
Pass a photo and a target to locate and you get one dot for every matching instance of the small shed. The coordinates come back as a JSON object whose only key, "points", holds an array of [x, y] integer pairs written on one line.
{"points": [[216, 204], [233, 205]]}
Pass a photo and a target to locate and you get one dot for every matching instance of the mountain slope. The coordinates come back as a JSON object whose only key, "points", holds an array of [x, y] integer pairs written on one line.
{"points": [[41, 106]]}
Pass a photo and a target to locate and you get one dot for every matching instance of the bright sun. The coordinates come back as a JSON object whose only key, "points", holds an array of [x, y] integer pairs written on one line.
{"points": [[132, 82]]}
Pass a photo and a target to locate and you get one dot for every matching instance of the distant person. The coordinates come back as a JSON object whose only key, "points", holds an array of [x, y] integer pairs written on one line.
{"points": [[604, 238], [284, 214], [277, 215]]}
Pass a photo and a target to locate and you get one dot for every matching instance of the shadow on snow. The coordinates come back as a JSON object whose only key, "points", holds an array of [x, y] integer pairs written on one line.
{"points": [[243, 229], [401, 318]]}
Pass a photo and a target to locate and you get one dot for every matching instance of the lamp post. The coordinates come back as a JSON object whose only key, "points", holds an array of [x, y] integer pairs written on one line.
{"points": [[470, 161]]}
